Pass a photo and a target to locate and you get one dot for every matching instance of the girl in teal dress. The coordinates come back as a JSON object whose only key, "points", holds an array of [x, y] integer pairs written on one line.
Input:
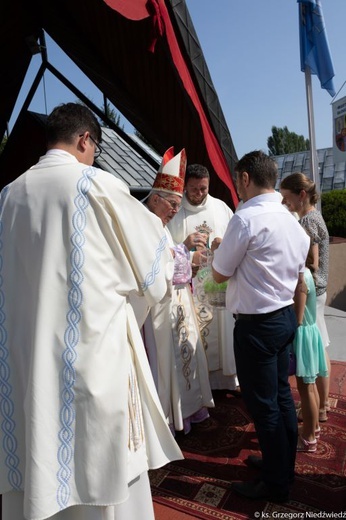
{"points": [[310, 362]]}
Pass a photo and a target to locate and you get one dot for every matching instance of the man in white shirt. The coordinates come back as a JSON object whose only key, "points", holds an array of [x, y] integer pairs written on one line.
{"points": [[209, 217], [263, 256]]}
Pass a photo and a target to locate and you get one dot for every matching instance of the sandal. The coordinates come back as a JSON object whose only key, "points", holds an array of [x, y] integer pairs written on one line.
{"points": [[306, 446], [299, 415], [322, 416], [317, 431]]}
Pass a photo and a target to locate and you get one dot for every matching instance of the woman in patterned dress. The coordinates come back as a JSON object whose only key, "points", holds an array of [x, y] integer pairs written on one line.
{"points": [[300, 196]]}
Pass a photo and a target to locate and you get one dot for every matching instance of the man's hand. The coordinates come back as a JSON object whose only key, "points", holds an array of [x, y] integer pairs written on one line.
{"points": [[219, 278], [215, 243], [195, 241], [198, 257]]}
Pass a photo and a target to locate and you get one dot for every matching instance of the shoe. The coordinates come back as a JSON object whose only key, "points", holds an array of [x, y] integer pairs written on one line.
{"points": [[257, 463], [234, 393], [306, 446], [298, 404], [258, 490], [322, 415], [254, 461], [317, 431]]}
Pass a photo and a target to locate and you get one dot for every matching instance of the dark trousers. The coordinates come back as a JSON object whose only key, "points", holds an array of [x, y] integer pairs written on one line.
{"points": [[261, 351]]}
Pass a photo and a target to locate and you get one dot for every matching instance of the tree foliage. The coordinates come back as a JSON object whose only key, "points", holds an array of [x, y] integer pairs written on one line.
{"points": [[109, 112], [112, 114], [2, 144], [282, 141], [333, 205]]}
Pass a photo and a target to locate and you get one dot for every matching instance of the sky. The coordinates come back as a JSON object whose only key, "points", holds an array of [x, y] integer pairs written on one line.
{"points": [[251, 48]]}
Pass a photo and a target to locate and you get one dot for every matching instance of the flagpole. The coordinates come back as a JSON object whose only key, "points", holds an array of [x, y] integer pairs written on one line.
{"points": [[312, 137], [314, 59]]}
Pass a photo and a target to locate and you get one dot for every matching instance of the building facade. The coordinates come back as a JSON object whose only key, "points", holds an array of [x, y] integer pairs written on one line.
{"points": [[332, 176]]}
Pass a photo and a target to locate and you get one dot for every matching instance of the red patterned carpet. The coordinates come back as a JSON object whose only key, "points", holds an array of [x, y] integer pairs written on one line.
{"points": [[199, 486]]}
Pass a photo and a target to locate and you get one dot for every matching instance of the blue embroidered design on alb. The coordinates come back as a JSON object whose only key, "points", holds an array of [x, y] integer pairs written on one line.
{"points": [[150, 277], [71, 338], [8, 425]]}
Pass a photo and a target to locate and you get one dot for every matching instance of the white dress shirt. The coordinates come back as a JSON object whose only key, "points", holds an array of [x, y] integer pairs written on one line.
{"points": [[263, 251]]}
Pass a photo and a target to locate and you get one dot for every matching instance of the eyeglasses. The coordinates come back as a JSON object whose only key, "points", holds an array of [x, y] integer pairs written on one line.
{"points": [[98, 148], [174, 205]]}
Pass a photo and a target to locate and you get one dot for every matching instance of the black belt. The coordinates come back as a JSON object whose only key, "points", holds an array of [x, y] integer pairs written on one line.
{"points": [[259, 317]]}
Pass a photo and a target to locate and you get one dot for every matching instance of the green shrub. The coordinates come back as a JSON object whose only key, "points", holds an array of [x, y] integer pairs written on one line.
{"points": [[333, 204]]}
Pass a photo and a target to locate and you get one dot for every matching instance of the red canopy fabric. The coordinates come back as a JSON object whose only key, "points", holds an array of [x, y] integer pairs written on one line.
{"points": [[162, 23], [216, 155], [132, 10]]}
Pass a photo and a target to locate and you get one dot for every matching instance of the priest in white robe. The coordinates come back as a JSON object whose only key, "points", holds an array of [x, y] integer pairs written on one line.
{"points": [[81, 419], [172, 338], [202, 213]]}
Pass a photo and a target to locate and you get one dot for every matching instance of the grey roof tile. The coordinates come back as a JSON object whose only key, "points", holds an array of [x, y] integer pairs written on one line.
{"points": [[120, 159]]}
